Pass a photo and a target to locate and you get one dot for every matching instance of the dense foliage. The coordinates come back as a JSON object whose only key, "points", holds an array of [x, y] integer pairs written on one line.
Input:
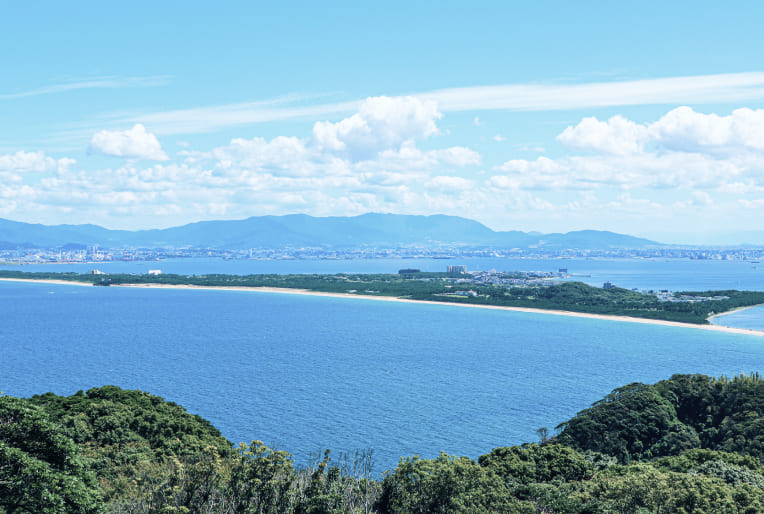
{"points": [[690, 444], [640, 421], [441, 287], [41, 469]]}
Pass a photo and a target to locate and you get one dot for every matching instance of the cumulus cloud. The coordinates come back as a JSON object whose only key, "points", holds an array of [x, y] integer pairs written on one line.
{"points": [[652, 171], [447, 183], [682, 150], [381, 123], [33, 162], [617, 136], [283, 155], [458, 156], [683, 129], [680, 130], [135, 143], [410, 158], [371, 161]]}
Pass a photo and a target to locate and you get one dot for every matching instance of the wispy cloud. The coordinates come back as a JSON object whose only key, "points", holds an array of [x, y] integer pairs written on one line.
{"points": [[210, 119], [92, 83], [700, 89]]}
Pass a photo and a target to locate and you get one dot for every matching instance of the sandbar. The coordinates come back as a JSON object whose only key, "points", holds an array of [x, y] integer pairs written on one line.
{"points": [[285, 290], [47, 281]]}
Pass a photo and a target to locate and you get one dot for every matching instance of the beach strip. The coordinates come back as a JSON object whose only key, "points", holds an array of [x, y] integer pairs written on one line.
{"points": [[47, 281], [283, 290]]}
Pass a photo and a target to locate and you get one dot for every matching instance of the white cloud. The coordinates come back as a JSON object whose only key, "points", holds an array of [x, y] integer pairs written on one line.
{"points": [[683, 150], [652, 171], [458, 156], [700, 89], [135, 143], [683, 129], [381, 123], [33, 162], [499, 138], [617, 136], [370, 161], [701, 198], [92, 83], [410, 158], [283, 155], [680, 130], [447, 183], [540, 165]]}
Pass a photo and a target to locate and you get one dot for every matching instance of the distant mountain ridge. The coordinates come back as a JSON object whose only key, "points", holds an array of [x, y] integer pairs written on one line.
{"points": [[301, 230]]}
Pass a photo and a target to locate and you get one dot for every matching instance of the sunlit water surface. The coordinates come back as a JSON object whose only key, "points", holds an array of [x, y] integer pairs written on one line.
{"points": [[305, 373]]}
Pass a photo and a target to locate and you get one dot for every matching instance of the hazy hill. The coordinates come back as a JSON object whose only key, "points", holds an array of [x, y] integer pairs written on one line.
{"points": [[300, 230]]}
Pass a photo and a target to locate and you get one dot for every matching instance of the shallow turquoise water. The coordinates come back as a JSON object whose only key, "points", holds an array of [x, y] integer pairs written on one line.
{"points": [[306, 373]]}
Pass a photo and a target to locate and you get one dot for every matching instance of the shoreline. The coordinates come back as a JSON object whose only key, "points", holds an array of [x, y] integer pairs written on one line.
{"points": [[530, 310], [47, 281], [736, 309]]}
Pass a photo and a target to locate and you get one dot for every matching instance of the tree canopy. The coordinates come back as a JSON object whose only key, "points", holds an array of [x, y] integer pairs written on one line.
{"points": [[689, 444]]}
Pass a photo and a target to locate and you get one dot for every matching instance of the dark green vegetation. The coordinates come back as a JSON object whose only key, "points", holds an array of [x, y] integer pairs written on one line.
{"points": [[443, 287], [41, 469], [690, 444]]}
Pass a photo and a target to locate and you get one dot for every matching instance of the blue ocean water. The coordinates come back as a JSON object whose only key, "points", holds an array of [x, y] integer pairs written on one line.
{"points": [[305, 373], [751, 318]]}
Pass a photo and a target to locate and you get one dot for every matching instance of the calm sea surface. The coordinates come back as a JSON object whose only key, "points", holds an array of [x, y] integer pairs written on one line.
{"points": [[306, 373]]}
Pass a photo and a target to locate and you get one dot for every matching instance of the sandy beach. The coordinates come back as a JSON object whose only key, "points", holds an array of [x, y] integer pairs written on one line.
{"points": [[625, 319], [59, 282]]}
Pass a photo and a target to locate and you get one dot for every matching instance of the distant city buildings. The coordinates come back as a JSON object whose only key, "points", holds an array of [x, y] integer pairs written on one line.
{"points": [[96, 254]]}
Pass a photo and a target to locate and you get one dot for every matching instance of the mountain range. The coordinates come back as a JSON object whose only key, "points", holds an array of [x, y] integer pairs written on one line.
{"points": [[300, 230]]}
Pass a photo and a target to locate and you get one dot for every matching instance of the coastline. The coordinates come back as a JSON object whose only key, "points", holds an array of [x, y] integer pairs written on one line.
{"points": [[51, 281], [279, 290], [737, 309]]}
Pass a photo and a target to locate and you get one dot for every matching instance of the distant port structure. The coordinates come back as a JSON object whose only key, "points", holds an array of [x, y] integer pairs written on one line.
{"points": [[458, 269]]}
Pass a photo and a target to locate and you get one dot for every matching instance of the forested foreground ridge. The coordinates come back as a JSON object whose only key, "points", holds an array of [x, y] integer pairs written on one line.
{"points": [[446, 287], [689, 444]]}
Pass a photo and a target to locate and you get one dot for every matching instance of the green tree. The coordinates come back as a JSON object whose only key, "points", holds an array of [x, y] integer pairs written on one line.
{"points": [[261, 480], [446, 484], [41, 470]]}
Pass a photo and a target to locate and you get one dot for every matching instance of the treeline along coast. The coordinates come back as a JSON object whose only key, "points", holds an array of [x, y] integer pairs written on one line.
{"points": [[693, 307]]}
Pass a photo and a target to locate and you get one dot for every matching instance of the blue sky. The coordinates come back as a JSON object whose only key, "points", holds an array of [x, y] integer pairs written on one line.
{"points": [[638, 117]]}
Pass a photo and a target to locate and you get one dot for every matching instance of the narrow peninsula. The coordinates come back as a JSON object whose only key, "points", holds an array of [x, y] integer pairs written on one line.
{"points": [[515, 291]]}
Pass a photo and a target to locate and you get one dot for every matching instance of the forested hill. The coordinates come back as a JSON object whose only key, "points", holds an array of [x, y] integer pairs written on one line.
{"points": [[689, 444], [300, 230]]}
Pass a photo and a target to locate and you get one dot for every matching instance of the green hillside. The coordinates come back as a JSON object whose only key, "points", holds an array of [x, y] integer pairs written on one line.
{"points": [[690, 444]]}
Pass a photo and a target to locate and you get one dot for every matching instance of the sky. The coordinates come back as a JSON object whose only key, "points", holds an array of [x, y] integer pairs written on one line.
{"points": [[645, 118]]}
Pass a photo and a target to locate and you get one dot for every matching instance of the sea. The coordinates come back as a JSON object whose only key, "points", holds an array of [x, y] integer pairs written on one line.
{"points": [[307, 373]]}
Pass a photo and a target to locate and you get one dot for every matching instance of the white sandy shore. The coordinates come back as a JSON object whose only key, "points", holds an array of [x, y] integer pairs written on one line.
{"points": [[737, 309], [51, 281], [627, 319]]}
